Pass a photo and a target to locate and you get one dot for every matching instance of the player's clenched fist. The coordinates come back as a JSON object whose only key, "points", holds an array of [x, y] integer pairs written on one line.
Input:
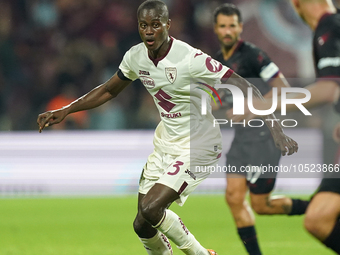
{"points": [[50, 118]]}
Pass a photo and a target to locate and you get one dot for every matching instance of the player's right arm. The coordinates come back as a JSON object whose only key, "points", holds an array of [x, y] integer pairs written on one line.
{"points": [[92, 99], [286, 144]]}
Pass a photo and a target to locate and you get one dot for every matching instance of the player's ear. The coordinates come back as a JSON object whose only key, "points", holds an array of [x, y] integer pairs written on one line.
{"points": [[215, 27], [241, 27], [296, 5], [168, 24]]}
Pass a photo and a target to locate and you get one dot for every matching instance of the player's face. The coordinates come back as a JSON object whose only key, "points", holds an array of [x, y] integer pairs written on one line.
{"points": [[153, 28], [228, 29]]}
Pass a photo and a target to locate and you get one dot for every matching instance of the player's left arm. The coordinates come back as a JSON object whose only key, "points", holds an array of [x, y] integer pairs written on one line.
{"points": [[268, 71], [279, 81]]}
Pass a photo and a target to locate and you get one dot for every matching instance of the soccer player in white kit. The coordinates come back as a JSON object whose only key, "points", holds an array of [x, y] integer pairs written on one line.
{"points": [[184, 139]]}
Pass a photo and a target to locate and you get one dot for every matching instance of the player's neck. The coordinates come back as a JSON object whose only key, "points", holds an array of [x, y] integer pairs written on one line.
{"points": [[315, 11], [162, 50], [229, 51]]}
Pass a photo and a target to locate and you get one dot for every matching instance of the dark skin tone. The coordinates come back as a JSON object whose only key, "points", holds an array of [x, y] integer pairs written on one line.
{"points": [[153, 28]]}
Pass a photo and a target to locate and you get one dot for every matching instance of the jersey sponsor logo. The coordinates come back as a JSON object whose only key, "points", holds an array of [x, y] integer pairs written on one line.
{"points": [[141, 72], [213, 65], [148, 82], [198, 54], [322, 39], [260, 58], [329, 62], [171, 74], [190, 174], [171, 115]]}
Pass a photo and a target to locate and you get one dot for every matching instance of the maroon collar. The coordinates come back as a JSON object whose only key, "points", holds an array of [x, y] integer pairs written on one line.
{"points": [[156, 60], [239, 43]]}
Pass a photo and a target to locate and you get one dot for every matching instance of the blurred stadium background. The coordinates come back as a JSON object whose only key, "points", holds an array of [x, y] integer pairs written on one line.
{"points": [[53, 51]]}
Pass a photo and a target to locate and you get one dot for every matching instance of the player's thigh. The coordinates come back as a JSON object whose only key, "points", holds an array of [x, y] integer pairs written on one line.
{"points": [[322, 213], [236, 190], [236, 187], [236, 181], [159, 197], [326, 202]]}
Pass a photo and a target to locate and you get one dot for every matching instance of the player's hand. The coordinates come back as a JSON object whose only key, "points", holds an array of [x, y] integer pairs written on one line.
{"points": [[50, 118], [286, 144]]}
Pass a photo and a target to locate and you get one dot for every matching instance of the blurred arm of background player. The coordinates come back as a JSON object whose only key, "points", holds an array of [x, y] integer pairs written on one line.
{"points": [[92, 99], [283, 142], [322, 92], [278, 82]]}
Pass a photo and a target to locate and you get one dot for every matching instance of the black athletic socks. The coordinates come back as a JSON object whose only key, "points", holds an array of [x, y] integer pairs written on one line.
{"points": [[333, 240], [299, 207], [249, 239]]}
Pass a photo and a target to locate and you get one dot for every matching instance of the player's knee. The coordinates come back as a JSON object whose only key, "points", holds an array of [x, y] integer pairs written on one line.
{"points": [[142, 228], [149, 212], [138, 227], [312, 224], [259, 207], [318, 224], [234, 198], [261, 203]]}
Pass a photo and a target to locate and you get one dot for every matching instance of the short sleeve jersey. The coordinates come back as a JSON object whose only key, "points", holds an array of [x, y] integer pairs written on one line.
{"points": [[171, 82], [254, 65], [326, 49]]}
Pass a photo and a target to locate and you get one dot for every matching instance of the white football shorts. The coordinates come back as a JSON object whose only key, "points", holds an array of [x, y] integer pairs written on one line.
{"points": [[178, 172]]}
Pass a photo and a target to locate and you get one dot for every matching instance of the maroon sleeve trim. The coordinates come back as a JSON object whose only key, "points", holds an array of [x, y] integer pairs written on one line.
{"points": [[227, 74]]}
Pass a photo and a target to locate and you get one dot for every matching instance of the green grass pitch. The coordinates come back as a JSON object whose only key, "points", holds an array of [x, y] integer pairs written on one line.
{"points": [[103, 226]]}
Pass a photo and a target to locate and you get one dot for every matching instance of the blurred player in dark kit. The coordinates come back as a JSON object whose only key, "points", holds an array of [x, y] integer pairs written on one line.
{"points": [[323, 212], [251, 146]]}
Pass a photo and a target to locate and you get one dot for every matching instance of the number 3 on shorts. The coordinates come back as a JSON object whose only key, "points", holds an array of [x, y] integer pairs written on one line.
{"points": [[176, 165]]}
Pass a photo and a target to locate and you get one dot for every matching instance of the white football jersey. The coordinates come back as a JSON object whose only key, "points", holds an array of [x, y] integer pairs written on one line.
{"points": [[172, 81]]}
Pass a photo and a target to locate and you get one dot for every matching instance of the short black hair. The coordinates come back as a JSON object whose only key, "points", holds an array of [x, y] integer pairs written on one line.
{"points": [[228, 10], [154, 4]]}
